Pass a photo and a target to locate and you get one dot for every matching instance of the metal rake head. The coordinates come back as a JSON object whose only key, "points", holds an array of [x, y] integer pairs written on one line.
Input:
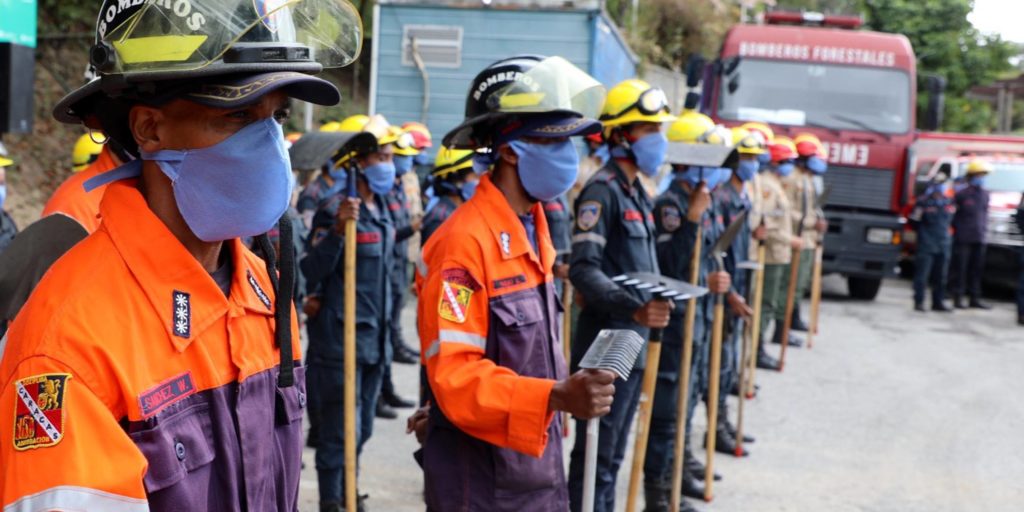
{"points": [[614, 350], [660, 286]]}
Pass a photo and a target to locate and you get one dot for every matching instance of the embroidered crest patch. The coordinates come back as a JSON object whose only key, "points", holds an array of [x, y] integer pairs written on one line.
{"points": [[671, 219], [182, 304], [39, 410], [259, 291], [457, 289], [589, 215], [166, 393]]}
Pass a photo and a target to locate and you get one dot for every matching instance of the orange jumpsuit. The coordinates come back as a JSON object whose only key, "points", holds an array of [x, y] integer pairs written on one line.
{"points": [[72, 200], [488, 325], [129, 381]]}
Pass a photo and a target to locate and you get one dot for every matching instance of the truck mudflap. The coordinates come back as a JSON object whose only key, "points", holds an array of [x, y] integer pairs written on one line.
{"points": [[860, 244]]}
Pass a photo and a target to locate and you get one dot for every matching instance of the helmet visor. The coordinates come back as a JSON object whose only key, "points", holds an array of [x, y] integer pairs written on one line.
{"points": [[554, 84], [184, 36]]}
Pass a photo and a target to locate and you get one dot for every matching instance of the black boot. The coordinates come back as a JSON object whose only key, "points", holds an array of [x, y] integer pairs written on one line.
{"points": [[725, 441], [395, 401], [765, 361], [331, 506], [958, 303], [695, 468], [797, 323], [919, 306], [404, 356], [656, 497], [724, 420], [1020, 319], [794, 341], [735, 389], [977, 304], [384, 412], [941, 307]]}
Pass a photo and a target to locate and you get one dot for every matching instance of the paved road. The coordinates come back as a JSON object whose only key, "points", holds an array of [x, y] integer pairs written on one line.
{"points": [[891, 411]]}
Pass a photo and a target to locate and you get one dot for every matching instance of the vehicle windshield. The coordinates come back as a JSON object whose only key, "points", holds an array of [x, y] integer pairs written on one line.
{"points": [[803, 94], [1007, 177]]}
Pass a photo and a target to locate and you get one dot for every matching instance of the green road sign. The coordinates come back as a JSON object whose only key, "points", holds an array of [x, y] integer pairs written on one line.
{"points": [[18, 22]]}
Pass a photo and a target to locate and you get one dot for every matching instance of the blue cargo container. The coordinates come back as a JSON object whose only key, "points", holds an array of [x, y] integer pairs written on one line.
{"points": [[454, 40]]}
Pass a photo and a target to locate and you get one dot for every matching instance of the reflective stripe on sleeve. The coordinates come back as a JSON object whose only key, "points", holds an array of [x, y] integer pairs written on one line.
{"points": [[589, 237], [453, 336], [421, 266], [465, 338], [666, 237], [69, 497], [3, 345]]}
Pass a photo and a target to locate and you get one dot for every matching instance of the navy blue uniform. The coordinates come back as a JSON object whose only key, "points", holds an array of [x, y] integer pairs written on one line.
{"points": [[312, 196], [677, 237], [732, 204], [614, 234], [931, 218], [324, 264], [560, 226], [7, 230], [398, 206], [1020, 282], [970, 225], [436, 216]]}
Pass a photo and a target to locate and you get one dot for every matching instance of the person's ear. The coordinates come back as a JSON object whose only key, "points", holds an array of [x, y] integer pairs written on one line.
{"points": [[145, 123], [508, 155]]}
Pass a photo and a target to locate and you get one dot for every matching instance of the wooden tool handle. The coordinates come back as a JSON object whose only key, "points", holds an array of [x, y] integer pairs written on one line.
{"points": [[686, 359], [350, 364]]}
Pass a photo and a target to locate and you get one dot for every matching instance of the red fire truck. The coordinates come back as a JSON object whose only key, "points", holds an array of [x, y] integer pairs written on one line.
{"points": [[855, 90]]}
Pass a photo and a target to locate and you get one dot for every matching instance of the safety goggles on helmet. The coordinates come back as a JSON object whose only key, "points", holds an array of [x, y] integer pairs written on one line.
{"points": [[183, 36], [650, 102], [554, 84]]}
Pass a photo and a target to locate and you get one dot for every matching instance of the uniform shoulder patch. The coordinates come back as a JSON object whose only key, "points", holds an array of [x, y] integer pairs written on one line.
{"points": [[671, 219], [39, 410], [588, 216], [457, 288]]}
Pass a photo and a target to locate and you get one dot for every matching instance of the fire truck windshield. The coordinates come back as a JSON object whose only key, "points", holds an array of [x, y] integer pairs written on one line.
{"points": [[829, 96]]}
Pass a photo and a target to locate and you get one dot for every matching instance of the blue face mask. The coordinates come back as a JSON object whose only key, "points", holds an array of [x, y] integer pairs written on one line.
{"points": [[381, 177], [747, 169], [785, 168], [977, 181], [237, 188], [711, 176], [422, 159], [817, 165], [546, 170], [3, 195], [403, 164], [764, 159], [649, 152], [467, 189], [603, 153]]}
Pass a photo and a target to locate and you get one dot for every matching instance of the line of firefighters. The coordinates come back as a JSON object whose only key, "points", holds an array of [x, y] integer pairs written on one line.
{"points": [[616, 225], [500, 243]]}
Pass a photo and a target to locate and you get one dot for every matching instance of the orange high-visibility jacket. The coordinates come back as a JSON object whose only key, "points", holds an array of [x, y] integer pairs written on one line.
{"points": [[72, 200], [488, 325], [129, 382]]}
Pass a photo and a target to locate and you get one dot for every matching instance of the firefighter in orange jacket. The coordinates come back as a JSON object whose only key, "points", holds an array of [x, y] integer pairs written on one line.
{"points": [[153, 368], [488, 318]]}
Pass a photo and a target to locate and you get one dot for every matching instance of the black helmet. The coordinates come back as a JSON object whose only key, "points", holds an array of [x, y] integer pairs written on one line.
{"points": [[219, 52], [527, 88]]}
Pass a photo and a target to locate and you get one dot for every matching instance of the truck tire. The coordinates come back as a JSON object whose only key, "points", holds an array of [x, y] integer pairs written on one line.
{"points": [[864, 288]]}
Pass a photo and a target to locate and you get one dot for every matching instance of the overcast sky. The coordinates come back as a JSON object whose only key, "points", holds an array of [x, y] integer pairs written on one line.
{"points": [[1003, 17]]}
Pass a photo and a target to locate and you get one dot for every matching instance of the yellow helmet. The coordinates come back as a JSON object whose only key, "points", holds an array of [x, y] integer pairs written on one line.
{"points": [[420, 134], [763, 129], [4, 162], [692, 127], [449, 161], [405, 144], [979, 166], [332, 126], [86, 152], [635, 101], [356, 123], [747, 142]]}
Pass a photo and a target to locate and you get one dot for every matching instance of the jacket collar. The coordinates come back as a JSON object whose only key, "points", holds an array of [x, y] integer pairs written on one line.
{"points": [[506, 228], [180, 291]]}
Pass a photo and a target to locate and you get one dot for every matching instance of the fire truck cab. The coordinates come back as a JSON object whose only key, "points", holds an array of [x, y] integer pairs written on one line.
{"points": [[856, 91]]}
